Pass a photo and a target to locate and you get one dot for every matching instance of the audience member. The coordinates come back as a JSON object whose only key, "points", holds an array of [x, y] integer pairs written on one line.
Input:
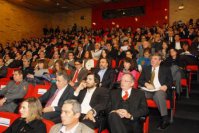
{"points": [[30, 118], [70, 114]]}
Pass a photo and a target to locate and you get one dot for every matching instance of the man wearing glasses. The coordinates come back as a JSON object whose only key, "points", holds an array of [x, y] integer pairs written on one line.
{"points": [[127, 105]]}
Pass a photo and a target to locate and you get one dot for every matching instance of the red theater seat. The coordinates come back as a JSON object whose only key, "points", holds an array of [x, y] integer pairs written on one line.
{"points": [[48, 124], [6, 119]]}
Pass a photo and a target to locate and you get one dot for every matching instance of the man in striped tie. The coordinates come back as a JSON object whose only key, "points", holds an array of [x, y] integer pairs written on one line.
{"points": [[126, 107], [54, 98]]}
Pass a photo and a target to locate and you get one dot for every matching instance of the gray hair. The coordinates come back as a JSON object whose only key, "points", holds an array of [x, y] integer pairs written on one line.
{"points": [[64, 75], [76, 105]]}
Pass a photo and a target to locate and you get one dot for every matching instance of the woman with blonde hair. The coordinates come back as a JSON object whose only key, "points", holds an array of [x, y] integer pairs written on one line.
{"points": [[30, 120]]}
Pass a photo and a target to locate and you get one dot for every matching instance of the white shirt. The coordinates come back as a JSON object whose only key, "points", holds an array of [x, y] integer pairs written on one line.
{"points": [[101, 74], [129, 92], [156, 80], [178, 46], [72, 130], [56, 100], [85, 106]]}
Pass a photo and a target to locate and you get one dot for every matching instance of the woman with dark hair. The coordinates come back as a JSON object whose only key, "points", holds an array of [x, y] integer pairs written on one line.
{"points": [[57, 67], [128, 67], [30, 120], [88, 62], [105, 54], [176, 65]]}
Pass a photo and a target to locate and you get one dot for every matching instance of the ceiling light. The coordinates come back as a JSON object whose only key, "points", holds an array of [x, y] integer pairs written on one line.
{"points": [[181, 7], [57, 3]]}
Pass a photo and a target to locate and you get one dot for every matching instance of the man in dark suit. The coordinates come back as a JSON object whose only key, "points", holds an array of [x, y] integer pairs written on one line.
{"points": [[78, 74], [92, 98], [127, 105], [107, 75], [157, 77], [3, 69], [27, 69], [87, 46], [177, 44], [54, 98]]}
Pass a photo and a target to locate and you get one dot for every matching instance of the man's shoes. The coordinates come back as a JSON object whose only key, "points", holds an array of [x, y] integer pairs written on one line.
{"points": [[163, 125]]}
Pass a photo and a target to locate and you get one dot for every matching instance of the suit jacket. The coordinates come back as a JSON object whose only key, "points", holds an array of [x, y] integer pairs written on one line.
{"points": [[108, 78], [137, 102], [13, 92], [3, 71], [27, 70], [35, 126], [81, 75], [81, 128], [99, 99], [174, 44], [164, 76], [67, 94]]}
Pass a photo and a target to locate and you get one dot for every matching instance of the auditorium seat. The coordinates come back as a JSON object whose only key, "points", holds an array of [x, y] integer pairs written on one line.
{"points": [[6, 119]]}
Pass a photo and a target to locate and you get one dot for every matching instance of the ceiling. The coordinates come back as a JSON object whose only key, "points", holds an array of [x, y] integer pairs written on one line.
{"points": [[57, 5]]}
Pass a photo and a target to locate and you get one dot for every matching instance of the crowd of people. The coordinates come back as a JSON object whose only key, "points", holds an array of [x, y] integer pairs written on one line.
{"points": [[108, 71]]}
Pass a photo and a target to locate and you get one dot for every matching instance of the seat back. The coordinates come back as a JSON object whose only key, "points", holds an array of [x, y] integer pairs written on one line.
{"points": [[40, 90], [6, 119], [48, 124], [30, 91], [10, 72]]}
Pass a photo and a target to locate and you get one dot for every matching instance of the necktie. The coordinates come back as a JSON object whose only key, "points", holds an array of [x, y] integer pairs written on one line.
{"points": [[52, 98], [75, 76], [126, 96], [152, 76]]}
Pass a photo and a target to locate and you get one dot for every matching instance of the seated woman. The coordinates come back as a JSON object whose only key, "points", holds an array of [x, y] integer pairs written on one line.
{"points": [[165, 50], [30, 120], [105, 54], [96, 53], [176, 65], [128, 66], [40, 72], [88, 62], [58, 67]]}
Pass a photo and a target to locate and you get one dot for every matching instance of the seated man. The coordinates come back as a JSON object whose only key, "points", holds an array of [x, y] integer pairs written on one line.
{"points": [[106, 74], [3, 69], [127, 105], [159, 78], [54, 98], [71, 111], [92, 98], [78, 74], [15, 90]]}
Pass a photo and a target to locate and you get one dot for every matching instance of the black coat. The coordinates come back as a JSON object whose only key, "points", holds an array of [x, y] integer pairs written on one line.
{"points": [[137, 102], [108, 78], [68, 94], [20, 126], [164, 76], [99, 99]]}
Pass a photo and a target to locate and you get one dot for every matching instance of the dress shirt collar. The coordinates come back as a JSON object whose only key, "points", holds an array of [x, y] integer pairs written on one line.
{"points": [[72, 130], [91, 90], [129, 92]]}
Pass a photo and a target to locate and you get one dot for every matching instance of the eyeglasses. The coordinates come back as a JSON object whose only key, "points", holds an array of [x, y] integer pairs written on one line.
{"points": [[127, 81]]}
